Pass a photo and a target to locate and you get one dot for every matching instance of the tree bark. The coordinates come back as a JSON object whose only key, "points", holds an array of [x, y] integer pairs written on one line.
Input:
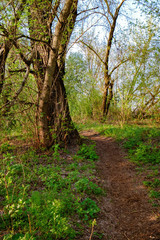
{"points": [[105, 95], [110, 96], [60, 119], [4, 50], [53, 116]]}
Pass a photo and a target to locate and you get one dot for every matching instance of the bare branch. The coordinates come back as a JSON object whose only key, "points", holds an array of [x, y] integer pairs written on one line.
{"points": [[24, 59], [120, 5], [76, 41], [117, 66], [85, 17], [111, 33], [91, 48], [108, 7], [54, 12], [11, 103], [104, 15], [21, 70], [36, 40], [87, 10]]}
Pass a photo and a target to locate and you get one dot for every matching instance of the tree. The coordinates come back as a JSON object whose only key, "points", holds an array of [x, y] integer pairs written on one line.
{"points": [[6, 35], [81, 85], [138, 84], [49, 25], [110, 11], [151, 7]]}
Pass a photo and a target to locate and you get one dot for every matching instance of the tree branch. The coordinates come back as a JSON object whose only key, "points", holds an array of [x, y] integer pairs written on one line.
{"points": [[123, 61], [21, 70], [106, 1], [120, 5], [36, 40], [76, 41], [104, 15], [93, 51], [111, 33], [87, 10], [24, 59], [11, 103]]}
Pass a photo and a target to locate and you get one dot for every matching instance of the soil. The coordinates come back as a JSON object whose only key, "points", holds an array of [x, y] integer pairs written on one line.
{"points": [[126, 212]]}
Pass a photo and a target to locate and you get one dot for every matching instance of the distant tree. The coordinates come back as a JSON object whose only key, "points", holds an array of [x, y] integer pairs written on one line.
{"points": [[110, 12], [151, 7], [81, 85], [139, 85]]}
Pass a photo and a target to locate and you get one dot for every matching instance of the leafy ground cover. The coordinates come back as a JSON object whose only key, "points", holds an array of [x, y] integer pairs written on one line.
{"points": [[47, 195], [142, 143]]}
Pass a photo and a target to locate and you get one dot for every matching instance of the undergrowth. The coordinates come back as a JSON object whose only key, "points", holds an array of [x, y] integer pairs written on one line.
{"points": [[47, 195]]}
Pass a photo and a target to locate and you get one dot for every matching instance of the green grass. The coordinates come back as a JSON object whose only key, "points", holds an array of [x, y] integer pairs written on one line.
{"points": [[47, 195]]}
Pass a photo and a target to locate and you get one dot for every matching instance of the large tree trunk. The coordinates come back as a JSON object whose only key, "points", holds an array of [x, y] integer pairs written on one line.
{"points": [[53, 116], [60, 122], [40, 33]]}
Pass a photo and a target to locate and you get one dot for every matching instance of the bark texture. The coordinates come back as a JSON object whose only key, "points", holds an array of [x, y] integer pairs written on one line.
{"points": [[4, 50], [53, 116]]}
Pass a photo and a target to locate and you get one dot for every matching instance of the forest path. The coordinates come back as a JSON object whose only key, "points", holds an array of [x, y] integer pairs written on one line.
{"points": [[126, 212]]}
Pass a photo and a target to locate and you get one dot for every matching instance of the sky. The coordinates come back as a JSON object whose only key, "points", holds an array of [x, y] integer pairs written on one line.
{"points": [[129, 13]]}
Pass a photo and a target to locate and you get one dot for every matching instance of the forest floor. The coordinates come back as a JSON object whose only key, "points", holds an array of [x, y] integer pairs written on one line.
{"points": [[126, 213]]}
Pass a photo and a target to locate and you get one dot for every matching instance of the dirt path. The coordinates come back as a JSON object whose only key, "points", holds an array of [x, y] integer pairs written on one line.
{"points": [[126, 211]]}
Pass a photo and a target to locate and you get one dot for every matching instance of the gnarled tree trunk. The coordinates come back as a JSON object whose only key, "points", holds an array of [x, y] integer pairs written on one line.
{"points": [[53, 116]]}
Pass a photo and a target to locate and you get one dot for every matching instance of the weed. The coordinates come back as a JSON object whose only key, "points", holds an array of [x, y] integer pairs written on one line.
{"points": [[87, 209], [56, 155], [154, 194], [154, 184], [44, 200], [84, 185], [88, 152], [19, 236], [153, 173], [6, 147]]}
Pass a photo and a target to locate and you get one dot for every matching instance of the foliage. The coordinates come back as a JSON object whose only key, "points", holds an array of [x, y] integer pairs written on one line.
{"points": [[87, 152], [136, 81], [138, 87], [150, 7], [45, 195], [82, 88], [88, 208], [141, 142], [84, 185]]}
